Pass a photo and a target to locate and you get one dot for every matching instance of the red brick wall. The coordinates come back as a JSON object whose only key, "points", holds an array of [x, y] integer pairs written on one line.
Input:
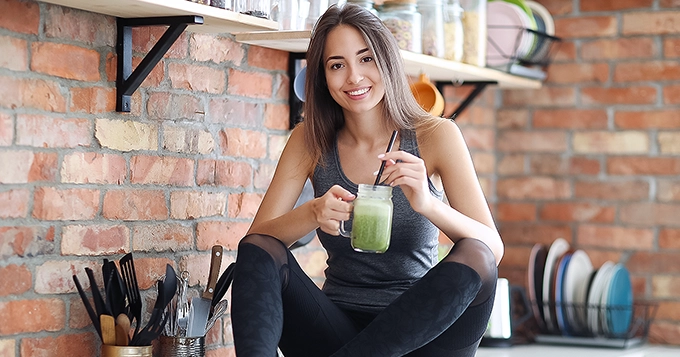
{"points": [[80, 182], [594, 155]]}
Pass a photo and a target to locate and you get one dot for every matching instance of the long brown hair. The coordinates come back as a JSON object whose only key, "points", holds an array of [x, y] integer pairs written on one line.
{"points": [[323, 115]]}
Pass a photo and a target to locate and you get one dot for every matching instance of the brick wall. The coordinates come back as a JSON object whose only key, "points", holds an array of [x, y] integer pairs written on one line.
{"points": [[594, 155], [80, 182]]}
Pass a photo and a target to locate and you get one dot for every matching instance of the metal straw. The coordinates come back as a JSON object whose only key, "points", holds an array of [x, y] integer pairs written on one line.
{"points": [[382, 166]]}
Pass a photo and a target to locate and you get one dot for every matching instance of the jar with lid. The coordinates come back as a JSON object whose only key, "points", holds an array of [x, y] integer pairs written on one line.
{"points": [[402, 18], [257, 8], [367, 4], [474, 32], [453, 31], [432, 17]]}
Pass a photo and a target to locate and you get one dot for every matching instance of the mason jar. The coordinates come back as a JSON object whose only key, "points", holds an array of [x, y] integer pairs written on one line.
{"points": [[371, 219], [367, 4], [432, 18], [402, 18], [453, 32]]}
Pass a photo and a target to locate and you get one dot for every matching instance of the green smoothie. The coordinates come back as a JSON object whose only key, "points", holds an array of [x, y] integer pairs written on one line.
{"points": [[372, 226]]}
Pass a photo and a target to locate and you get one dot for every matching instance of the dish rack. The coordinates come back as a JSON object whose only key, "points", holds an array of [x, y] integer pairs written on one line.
{"points": [[642, 314], [520, 61]]}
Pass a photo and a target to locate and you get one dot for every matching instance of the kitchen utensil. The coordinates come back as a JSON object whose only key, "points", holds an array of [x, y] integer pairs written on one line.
{"points": [[88, 307], [156, 322], [99, 304], [169, 285], [122, 329], [201, 305], [108, 325], [220, 309], [170, 289], [127, 267], [182, 315], [151, 331], [117, 292], [428, 96], [121, 336], [223, 284]]}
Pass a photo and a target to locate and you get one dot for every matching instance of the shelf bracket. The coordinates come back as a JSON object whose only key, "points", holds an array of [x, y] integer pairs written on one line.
{"points": [[127, 80], [479, 88]]}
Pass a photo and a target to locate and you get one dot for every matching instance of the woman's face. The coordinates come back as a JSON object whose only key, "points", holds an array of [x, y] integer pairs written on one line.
{"points": [[351, 72]]}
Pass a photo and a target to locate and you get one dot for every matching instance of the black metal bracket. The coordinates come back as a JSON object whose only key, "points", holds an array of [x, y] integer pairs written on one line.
{"points": [[127, 81], [479, 88]]}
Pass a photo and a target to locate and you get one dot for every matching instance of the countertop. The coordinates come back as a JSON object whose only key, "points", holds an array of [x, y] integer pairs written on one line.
{"points": [[543, 350]]}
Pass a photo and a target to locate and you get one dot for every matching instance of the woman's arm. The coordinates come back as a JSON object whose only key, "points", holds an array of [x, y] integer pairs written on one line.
{"points": [[467, 215], [276, 216]]}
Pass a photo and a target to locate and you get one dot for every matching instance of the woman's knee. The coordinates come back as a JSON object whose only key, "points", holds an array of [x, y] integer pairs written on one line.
{"points": [[475, 254], [274, 247]]}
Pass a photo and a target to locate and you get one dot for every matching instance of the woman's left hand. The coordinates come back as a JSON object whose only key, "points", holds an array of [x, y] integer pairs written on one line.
{"points": [[409, 173]]}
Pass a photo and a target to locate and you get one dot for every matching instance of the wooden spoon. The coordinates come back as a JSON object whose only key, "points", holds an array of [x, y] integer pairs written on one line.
{"points": [[122, 330], [108, 325]]}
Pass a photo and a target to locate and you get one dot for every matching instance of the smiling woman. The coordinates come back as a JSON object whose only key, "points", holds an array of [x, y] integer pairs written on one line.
{"points": [[402, 301]]}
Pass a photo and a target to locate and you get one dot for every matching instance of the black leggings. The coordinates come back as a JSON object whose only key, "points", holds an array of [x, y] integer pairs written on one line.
{"points": [[274, 303]]}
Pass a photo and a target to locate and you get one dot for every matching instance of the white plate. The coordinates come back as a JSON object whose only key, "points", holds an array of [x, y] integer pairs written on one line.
{"points": [[544, 14], [606, 282], [510, 40], [575, 283], [557, 249], [595, 297]]}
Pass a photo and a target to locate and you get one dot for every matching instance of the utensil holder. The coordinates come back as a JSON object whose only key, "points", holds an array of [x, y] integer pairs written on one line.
{"points": [[126, 351], [182, 346]]}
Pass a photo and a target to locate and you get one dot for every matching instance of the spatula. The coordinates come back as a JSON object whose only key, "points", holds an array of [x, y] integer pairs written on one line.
{"points": [[108, 325]]}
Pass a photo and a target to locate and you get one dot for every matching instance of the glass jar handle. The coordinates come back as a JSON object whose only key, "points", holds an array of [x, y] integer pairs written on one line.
{"points": [[342, 230]]}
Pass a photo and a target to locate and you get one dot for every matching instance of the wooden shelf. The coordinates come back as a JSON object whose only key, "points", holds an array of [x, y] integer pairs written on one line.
{"points": [[215, 20], [436, 68]]}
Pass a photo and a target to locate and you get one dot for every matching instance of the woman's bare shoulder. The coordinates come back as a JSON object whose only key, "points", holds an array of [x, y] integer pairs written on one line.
{"points": [[440, 140]]}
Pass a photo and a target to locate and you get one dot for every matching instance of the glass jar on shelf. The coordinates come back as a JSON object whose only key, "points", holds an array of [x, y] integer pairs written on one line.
{"points": [[402, 18], [453, 31], [474, 32], [432, 18], [257, 8], [368, 4]]}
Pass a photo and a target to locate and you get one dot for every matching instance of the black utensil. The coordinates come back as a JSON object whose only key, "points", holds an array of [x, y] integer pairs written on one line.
{"points": [[90, 312], [140, 337], [99, 304], [116, 292], [127, 268], [169, 285], [223, 284]]}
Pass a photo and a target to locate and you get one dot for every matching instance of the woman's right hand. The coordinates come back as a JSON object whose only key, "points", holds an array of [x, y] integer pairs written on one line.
{"points": [[331, 208]]}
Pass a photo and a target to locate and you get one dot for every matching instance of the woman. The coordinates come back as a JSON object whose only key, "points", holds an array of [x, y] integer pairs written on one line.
{"points": [[398, 303]]}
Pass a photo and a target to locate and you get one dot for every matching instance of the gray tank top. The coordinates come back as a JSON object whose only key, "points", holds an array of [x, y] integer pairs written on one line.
{"points": [[369, 282]]}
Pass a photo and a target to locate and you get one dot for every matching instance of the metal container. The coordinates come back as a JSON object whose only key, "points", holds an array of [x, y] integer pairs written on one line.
{"points": [[126, 351], [182, 346]]}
